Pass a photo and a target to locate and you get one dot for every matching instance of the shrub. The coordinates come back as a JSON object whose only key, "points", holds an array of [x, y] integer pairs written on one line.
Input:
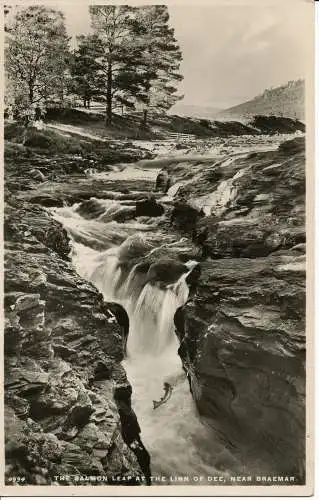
{"points": [[14, 132], [296, 145], [36, 139], [205, 123]]}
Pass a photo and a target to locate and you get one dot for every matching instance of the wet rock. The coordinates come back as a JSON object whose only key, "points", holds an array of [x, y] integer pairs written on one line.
{"points": [[242, 344], [166, 271], [185, 217], [131, 429], [37, 175], [46, 201], [255, 204], [31, 226], [162, 181], [90, 209], [123, 321], [125, 214], [133, 248], [149, 208]]}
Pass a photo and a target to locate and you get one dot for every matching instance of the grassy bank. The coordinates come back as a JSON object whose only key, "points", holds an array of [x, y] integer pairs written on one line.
{"points": [[161, 126]]}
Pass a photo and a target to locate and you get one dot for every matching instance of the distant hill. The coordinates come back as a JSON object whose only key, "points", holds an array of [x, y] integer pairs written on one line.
{"points": [[287, 100], [193, 111]]}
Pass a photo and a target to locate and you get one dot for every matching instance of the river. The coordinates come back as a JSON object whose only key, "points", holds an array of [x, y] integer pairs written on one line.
{"points": [[179, 442]]}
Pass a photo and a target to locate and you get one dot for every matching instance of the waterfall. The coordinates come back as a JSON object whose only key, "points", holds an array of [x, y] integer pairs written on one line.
{"points": [[151, 307], [179, 443], [122, 261]]}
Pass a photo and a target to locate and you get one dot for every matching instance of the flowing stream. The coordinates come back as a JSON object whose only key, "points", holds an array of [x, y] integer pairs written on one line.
{"points": [[183, 449]]}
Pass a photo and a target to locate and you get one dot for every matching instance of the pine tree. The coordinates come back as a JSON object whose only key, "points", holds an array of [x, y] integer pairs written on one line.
{"points": [[111, 24], [161, 56], [86, 72], [37, 54]]}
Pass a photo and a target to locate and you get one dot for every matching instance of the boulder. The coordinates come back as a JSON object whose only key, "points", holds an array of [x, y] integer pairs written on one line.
{"points": [[149, 208], [166, 271], [162, 181], [37, 175], [133, 248], [90, 209], [185, 217]]}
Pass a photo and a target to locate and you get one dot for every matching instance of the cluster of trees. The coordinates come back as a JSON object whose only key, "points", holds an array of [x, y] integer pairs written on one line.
{"points": [[131, 58]]}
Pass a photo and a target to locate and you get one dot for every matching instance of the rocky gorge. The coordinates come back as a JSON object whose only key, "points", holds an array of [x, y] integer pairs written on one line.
{"points": [[194, 266]]}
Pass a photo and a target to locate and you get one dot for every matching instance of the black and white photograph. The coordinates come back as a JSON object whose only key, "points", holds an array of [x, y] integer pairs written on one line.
{"points": [[157, 316]]}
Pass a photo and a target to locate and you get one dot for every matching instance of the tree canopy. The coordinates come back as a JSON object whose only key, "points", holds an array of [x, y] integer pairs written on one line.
{"points": [[37, 54], [132, 58]]}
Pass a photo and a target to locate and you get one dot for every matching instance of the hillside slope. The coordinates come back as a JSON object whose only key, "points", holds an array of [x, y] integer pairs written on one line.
{"points": [[161, 126], [287, 100]]}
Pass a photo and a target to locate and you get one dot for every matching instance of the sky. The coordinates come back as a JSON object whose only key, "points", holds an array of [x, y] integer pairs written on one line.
{"points": [[231, 53]]}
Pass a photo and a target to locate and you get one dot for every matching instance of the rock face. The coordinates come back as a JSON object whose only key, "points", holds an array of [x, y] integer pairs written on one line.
{"points": [[242, 331], [67, 398]]}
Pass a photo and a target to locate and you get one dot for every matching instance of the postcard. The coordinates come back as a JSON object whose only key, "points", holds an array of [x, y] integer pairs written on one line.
{"points": [[158, 248]]}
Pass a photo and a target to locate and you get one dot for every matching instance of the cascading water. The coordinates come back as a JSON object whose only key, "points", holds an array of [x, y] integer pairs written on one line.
{"points": [[180, 444]]}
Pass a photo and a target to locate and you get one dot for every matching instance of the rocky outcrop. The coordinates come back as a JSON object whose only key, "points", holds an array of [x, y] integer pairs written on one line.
{"points": [[242, 330], [243, 347], [68, 409], [248, 205], [149, 208]]}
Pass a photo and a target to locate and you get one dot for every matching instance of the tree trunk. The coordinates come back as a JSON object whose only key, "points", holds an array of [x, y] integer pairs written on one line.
{"points": [[31, 96], [144, 122], [27, 117], [89, 103], [109, 93], [62, 96]]}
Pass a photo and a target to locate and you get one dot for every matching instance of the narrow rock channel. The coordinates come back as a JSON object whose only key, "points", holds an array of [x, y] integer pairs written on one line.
{"points": [[145, 274], [191, 269]]}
